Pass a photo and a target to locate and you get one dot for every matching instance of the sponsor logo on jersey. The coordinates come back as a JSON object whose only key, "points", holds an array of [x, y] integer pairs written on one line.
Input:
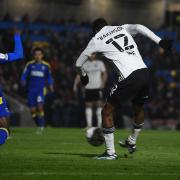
{"points": [[43, 68], [37, 73]]}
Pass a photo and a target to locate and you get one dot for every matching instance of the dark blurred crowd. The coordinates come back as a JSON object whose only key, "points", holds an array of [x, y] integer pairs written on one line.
{"points": [[63, 42]]}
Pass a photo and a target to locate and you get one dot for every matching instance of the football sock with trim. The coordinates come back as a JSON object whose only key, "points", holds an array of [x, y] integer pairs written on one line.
{"points": [[108, 134], [136, 130], [40, 119], [34, 116]]}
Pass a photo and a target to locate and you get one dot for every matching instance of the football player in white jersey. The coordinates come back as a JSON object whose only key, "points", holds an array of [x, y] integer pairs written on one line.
{"points": [[116, 43], [96, 72]]}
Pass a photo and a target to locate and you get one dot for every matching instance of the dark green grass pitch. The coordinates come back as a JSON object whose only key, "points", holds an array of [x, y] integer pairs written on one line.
{"points": [[65, 154]]}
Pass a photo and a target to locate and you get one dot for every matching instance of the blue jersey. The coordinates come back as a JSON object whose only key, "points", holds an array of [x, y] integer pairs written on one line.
{"points": [[38, 75]]}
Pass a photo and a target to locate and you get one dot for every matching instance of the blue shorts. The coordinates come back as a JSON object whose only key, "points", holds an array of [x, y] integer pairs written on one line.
{"points": [[35, 98], [4, 111]]}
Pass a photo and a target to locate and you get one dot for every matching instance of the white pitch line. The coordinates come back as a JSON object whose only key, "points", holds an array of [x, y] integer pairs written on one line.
{"points": [[83, 174]]}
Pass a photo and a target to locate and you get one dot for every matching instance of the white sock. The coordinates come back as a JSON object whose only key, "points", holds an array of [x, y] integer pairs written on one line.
{"points": [[137, 129], [88, 112], [133, 137], [99, 117], [109, 141]]}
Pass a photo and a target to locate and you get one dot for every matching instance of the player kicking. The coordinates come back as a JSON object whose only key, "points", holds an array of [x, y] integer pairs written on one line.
{"points": [[4, 111], [38, 76], [116, 43], [96, 72]]}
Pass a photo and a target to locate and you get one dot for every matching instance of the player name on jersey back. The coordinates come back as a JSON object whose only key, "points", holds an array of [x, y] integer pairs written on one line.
{"points": [[118, 45], [116, 29]]}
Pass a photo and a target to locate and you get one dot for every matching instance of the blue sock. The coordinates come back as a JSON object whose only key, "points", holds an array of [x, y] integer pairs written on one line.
{"points": [[34, 116], [3, 135], [36, 120], [40, 121]]}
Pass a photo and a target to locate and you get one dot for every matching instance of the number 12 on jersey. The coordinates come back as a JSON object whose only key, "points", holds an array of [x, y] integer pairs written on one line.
{"points": [[121, 49]]}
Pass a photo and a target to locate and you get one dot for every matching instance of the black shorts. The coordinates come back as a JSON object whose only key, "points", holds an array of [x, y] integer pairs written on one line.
{"points": [[134, 88], [93, 95]]}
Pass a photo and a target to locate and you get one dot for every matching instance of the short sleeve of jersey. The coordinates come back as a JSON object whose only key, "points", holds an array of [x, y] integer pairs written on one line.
{"points": [[130, 29], [91, 48]]}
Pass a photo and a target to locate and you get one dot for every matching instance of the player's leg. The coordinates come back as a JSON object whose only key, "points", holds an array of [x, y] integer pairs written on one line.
{"points": [[32, 103], [99, 105], [108, 132], [41, 120], [138, 123], [141, 97], [34, 114], [4, 114], [88, 109], [40, 111], [89, 114], [113, 102], [108, 127]]}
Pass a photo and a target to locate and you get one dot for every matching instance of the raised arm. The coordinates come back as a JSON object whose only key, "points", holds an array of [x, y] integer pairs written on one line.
{"points": [[18, 51], [134, 29]]}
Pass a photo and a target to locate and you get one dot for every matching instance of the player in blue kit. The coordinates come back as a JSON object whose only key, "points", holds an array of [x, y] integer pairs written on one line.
{"points": [[4, 111], [38, 76]]}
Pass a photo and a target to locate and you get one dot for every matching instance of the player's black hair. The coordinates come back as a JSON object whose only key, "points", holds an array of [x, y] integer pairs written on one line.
{"points": [[37, 49], [98, 24]]}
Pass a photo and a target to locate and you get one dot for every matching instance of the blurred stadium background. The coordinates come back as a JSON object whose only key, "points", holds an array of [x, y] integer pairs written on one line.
{"points": [[62, 28]]}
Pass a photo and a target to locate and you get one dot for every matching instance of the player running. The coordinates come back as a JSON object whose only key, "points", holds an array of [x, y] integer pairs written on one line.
{"points": [[96, 72], [4, 111], [38, 76], [116, 43]]}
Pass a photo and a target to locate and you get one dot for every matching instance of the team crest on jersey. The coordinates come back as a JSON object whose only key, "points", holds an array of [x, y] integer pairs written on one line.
{"points": [[43, 68]]}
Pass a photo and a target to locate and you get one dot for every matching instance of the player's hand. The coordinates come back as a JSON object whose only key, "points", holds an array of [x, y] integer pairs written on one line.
{"points": [[166, 44], [84, 80]]}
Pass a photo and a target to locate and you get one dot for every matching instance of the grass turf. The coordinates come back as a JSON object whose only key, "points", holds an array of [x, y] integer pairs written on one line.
{"points": [[65, 154]]}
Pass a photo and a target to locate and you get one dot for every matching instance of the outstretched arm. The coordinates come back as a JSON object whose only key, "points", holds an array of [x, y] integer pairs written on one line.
{"points": [[18, 51], [134, 29]]}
